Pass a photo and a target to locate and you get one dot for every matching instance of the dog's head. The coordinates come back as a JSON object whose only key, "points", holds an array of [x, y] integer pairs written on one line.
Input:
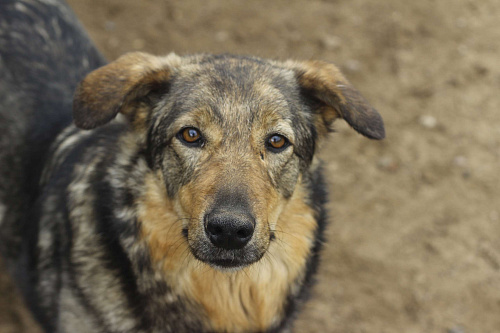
{"points": [[229, 137]]}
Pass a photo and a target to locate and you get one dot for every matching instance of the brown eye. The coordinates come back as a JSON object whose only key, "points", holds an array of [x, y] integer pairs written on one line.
{"points": [[190, 136], [277, 143]]}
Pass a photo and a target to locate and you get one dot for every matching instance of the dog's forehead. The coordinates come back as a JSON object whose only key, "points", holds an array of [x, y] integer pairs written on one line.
{"points": [[235, 86]]}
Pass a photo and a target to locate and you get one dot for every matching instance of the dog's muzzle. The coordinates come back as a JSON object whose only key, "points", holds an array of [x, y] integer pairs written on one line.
{"points": [[228, 236]]}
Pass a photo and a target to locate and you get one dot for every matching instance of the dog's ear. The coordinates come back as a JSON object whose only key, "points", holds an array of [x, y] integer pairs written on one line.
{"points": [[333, 97], [120, 86]]}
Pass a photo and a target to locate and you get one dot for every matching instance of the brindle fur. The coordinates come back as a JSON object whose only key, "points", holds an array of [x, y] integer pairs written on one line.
{"points": [[113, 235]]}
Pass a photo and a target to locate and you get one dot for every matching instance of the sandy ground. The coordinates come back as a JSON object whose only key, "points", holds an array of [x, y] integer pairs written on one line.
{"points": [[414, 243]]}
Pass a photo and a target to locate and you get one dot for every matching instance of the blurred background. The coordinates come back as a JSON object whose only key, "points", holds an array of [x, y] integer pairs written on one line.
{"points": [[414, 239]]}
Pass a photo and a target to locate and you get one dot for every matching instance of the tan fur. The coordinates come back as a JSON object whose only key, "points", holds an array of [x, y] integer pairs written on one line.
{"points": [[250, 299], [113, 88], [319, 75], [322, 79], [340, 99]]}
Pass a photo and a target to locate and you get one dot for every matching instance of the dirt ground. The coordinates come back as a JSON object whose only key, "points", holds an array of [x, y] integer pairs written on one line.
{"points": [[414, 243]]}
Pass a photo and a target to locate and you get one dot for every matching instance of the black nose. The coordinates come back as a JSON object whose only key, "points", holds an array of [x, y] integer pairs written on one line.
{"points": [[229, 230]]}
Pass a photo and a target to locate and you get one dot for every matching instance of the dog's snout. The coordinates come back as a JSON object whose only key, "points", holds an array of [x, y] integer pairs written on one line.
{"points": [[229, 230]]}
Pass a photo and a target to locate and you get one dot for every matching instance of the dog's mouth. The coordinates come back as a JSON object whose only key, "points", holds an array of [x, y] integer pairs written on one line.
{"points": [[226, 263], [231, 264], [226, 259], [236, 262]]}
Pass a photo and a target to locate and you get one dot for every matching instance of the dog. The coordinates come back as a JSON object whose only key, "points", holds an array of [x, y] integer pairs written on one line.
{"points": [[185, 195]]}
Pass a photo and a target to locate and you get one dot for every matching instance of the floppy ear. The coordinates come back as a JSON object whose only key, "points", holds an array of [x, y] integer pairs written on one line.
{"points": [[120, 86], [336, 98]]}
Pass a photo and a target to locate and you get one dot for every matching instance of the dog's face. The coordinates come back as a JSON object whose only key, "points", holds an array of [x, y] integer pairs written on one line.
{"points": [[229, 137]]}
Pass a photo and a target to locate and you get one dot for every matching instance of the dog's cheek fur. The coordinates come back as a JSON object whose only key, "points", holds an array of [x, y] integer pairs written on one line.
{"points": [[161, 227], [284, 173], [176, 171]]}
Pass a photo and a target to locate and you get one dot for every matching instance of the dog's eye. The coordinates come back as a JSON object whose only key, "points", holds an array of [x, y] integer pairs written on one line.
{"points": [[277, 143], [190, 136]]}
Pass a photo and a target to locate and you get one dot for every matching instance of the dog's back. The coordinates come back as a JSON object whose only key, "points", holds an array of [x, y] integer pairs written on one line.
{"points": [[44, 53]]}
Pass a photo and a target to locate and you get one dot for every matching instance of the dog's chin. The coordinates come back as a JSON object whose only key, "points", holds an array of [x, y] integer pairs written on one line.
{"points": [[228, 260], [227, 265]]}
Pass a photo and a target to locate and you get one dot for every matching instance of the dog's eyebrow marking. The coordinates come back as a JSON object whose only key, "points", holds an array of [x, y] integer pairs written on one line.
{"points": [[215, 111]]}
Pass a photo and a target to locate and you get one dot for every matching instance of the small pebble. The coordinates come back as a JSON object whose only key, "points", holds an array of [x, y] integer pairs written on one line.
{"points": [[457, 329], [353, 65], [109, 25], [460, 161], [221, 36], [138, 44], [387, 163], [428, 121], [396, 16], [331, 42]]}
